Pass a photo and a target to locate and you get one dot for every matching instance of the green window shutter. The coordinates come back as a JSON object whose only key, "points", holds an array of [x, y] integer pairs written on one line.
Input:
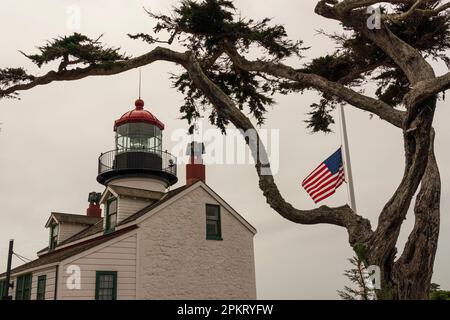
{"points": [[27, 287], [54, 230], [111, 215], [213, 222], [23, 287], [2, 289], [19, 288], [41, 284], [106, 285]]}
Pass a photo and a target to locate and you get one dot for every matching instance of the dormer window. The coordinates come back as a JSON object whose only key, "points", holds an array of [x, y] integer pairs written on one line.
{"points": [[111, 214], [54, 229]]}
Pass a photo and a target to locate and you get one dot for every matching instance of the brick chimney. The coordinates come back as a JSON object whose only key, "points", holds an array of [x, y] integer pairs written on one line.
{"points": [[94, 209], [195, 169]]}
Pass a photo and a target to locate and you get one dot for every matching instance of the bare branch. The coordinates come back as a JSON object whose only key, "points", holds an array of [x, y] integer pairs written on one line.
{"points": [[410, 60], [426, 89], [404, 15], [381, 109]]}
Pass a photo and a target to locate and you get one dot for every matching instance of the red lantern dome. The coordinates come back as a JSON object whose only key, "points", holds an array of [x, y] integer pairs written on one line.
{"points": [[139, 115]]}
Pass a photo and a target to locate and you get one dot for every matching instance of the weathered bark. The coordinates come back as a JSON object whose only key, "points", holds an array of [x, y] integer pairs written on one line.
{"points": [[408, 278], [382, 246], [413, 271]]}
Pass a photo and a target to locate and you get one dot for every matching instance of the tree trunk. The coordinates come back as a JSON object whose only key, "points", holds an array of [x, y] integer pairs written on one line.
{"points": [[413, 271], [409, 277]]}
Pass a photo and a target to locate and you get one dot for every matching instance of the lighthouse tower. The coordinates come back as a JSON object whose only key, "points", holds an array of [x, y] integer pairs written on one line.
{"points": [[138, 160]]}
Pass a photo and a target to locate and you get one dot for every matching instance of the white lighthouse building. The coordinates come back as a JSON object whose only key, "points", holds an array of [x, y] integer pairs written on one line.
{"points": [[150, 241]]}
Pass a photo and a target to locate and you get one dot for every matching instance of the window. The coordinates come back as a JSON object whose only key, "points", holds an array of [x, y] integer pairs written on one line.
{"points": [[213, 228], [111, 214], [54, 229], [106, 285], [2, 289], [23, 287], [138, 137], [41, 283]]}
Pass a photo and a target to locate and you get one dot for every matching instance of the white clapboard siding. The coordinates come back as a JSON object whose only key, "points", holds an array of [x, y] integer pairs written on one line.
{"points": [[49, 284], [119, 256], [66, 230], [128, 206]]}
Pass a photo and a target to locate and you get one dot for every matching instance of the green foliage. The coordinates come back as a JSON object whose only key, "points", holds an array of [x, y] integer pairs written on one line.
{"points": [[320, 117], [359, 276], [209, 27], [75, 49], [205, 28], [440, 295], [437, 294], [358, 61], [361, 251], [13, 76]]}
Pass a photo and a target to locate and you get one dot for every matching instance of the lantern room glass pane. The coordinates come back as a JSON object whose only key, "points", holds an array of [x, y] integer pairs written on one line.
{"points": [[139, 137]]}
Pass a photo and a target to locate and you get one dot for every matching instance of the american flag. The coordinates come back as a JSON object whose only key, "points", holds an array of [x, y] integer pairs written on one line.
{"points": [[326, 178]]}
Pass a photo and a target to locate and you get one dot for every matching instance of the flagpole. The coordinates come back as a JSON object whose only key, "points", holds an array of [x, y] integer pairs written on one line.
{"points": [[347, 162]]}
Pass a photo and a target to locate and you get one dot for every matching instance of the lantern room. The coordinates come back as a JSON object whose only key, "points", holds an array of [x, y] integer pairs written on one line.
{"points": [[139, 130], [138, 149]]}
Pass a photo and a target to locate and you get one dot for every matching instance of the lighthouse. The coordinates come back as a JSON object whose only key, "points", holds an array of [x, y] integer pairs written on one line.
{"points": [[138, 159], [141, 238]]}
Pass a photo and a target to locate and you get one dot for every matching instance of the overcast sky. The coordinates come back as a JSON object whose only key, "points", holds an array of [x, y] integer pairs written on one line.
{"points": [[50, 141]]}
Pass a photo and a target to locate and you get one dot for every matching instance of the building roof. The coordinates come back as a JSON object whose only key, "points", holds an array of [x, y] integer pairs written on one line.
{"points": [[138, 115], [74, 218], [64, 253], [134, 192], [98, 227], [143, 211], [89, 231]]}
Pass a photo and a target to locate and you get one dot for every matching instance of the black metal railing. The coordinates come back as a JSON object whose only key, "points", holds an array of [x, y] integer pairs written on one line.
{"points": [[149, 159]]}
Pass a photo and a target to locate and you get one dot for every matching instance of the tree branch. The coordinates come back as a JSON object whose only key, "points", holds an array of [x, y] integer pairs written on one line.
{"points": [[409, 59], [381, 109], [359, 229], [426, 89], [404, 15], [157, 54]]}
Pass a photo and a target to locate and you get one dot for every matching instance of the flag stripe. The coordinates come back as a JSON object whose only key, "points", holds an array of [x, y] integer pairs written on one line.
{"points": [[319, 184], [323, 178], [333, 190], [316, 172], [325, 196], [317, 178], [323, 181]]}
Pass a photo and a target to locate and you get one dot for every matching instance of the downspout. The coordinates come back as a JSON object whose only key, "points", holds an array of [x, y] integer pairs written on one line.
{"points": [[56, 281]]}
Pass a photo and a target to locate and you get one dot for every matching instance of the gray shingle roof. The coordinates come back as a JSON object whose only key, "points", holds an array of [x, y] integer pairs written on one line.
{"points": [[64, 253], [137, 193], [143, 211], [89, 231], [75, 218], [96, 228]]}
